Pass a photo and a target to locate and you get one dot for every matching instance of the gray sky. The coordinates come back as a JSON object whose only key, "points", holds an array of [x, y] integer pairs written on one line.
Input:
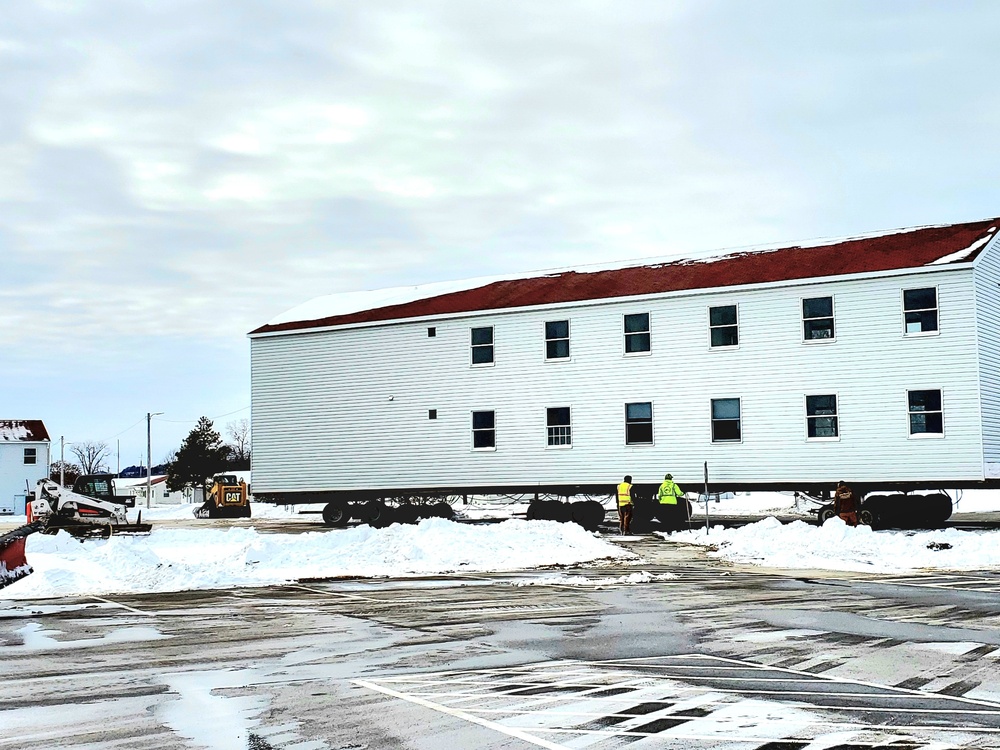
{"points": [[174, 174]]}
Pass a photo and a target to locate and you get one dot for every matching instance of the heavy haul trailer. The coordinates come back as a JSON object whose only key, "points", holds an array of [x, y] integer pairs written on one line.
{"points": [[874, 360], [382, 507]]}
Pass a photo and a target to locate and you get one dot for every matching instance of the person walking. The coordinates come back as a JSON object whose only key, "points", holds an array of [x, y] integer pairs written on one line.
{"points": [[625, 505], [670, 497], [845, 503]]}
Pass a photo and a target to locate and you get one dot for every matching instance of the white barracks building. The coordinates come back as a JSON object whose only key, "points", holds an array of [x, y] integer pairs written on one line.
{"points": [[872, 359]]}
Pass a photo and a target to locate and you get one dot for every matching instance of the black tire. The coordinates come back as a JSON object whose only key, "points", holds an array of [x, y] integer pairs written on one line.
{"points": [[369, 511], [868, 517], [938, 508], [336, 514], [407, 513], [443, 510], [825, 514], [383, 516], [597, 514], [897, 512], [580, 514], [561, 512]]}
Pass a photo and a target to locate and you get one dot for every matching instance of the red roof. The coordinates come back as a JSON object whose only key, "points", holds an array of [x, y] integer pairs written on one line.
{"points": [[911, 248], [23, 431]]}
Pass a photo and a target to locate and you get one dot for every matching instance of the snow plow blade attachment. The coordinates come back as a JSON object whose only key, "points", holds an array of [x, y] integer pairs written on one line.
{"points": [[13, 564]]}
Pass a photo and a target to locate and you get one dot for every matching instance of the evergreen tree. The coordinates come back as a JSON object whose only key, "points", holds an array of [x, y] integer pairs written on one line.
{"points": [[201, 454]]}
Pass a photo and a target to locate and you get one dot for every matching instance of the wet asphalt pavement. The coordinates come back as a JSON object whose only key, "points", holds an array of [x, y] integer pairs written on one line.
{"points": [[720, 656]]}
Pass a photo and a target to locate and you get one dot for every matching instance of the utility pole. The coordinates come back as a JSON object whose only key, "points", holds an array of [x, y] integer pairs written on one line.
{"points": [[149, 461], [62, 461]]}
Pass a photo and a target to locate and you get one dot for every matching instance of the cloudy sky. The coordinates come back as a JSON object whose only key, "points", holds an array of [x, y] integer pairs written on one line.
{"points": [[174, 174]]}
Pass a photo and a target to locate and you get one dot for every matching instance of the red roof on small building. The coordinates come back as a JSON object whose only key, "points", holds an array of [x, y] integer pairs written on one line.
{"points": [[23, 431], [910, 248]]}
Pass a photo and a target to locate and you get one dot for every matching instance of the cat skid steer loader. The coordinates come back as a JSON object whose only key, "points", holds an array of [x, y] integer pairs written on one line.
{"points": [[225, 497], [53, 508]]}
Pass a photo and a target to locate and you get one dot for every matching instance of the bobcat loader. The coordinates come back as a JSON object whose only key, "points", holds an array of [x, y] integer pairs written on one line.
{"points": [[52, 508]]}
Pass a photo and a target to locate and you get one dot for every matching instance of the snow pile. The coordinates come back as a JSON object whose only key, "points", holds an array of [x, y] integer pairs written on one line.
{"points": [[837, 546], [182, 559]]}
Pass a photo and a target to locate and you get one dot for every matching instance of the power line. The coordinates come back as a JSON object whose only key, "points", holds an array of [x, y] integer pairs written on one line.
{"points": [[192, 421]]}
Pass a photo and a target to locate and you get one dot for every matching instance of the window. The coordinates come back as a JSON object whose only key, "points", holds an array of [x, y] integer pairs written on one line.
{"points": [[723, 326], [821, 417], [432, 332], [637, 333], [482, 345], [639, 424], [926, 415], [432, 413], [557, 424], [920, 310], [557, 339], [484, 432], [817, 318], [30, 456], [726, 420]]}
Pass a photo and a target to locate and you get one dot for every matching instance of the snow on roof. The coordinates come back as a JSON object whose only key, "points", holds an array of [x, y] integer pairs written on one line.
{"points": [[886, 251], [23, 431]]}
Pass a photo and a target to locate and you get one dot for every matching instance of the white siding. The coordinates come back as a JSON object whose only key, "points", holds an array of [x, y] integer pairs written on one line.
{"points": [[347, 409], [987, 284], [14, 473]]}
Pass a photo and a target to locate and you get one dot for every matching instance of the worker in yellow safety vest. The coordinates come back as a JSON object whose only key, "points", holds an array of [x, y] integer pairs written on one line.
{"points": [[672, 508], [669, 491], [625, 505]]}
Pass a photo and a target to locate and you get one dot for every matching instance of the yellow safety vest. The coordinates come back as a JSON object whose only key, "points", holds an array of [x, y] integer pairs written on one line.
{"points": [[669, 492], [624, 493]]}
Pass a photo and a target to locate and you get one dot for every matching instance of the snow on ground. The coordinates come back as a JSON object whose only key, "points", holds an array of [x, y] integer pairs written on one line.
{"points": [[182, 559], [198, 558], [837, 546]]}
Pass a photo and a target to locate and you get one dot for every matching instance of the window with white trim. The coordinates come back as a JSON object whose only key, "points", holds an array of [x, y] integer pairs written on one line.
{"points": [[821, 417], [920, 311], [484, 430], [639, 423], [726, 420], [817, 319], [558, 427], [724, 326], [637, 337], [30, 456], [482, 345], [557, 339], [925, 412]]}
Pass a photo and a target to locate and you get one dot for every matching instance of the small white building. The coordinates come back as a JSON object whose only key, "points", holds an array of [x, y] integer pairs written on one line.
{"points": [[159, 494], [873, 359], [24, 459]]}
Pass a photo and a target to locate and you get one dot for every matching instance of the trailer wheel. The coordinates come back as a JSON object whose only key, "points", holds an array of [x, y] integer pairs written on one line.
{"points": [[408, 513], [938, 508], [443, 510], [826, 513], [597, 514], [868, 517], [380, 515], [336, 514], [561, 512], [582, 514]]}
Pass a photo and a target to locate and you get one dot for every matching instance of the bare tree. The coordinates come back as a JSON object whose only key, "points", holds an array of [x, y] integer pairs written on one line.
{"points": [[239, 436], [68, 470], [91, 455]]}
